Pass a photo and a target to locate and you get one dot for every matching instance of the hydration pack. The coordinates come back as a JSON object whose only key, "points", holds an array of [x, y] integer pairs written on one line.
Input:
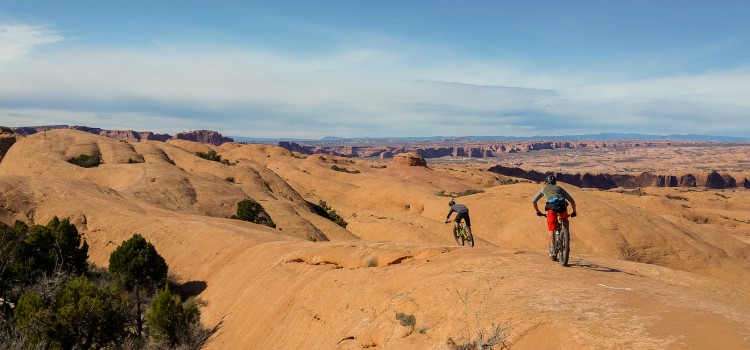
{"points": [[559, 205]]}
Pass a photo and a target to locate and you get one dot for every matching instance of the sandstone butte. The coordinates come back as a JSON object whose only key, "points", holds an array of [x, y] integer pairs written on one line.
{"points": [[647, 272]]}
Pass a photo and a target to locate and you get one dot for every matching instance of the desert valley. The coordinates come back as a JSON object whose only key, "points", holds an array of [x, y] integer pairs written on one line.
{"points": [[660, 254]]}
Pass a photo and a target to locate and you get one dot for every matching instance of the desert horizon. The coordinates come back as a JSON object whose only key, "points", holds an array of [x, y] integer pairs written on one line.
{"points": [[650, 267]]}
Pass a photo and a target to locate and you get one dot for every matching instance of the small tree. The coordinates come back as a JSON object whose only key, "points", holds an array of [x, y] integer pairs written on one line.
{"points": [[139, 266], [168, 319], [10, 259], [252, 211], [77, 315], [86, 161], [44, 249]]}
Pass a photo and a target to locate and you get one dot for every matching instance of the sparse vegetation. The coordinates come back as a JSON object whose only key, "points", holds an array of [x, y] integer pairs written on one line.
{"points": [[443, 193], [406, 320], [635, 192], [325, 211], [213, 156], [59, 302], [383, 166], [372, 262], [722, 195], [485, 335], [252, 211], [344, 170], [676, 198], [86, 161], [229, 179]]}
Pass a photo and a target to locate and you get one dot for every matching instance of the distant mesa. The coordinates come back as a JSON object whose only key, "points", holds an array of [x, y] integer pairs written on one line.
{"points": [[437, 149], [610, 181], [134, 136], [409, 159], [201, 136]]}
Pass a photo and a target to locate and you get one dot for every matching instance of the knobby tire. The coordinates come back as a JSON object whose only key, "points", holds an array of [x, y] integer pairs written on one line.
{"points": [[470, 238], [457, 236], [565, 246]]}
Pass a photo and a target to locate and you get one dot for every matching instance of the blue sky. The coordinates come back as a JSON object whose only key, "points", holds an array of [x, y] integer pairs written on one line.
{"points": [[378, 68]]}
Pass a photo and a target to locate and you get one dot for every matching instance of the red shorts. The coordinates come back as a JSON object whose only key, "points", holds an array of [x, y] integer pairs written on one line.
{"points": [[552, 218]]}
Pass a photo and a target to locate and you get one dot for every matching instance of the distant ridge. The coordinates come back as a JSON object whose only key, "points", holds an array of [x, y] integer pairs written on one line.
{"points": [[590, 137]]}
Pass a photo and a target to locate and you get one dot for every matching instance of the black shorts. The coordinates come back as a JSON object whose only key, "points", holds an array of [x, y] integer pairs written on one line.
{"points": [[464, 215]]}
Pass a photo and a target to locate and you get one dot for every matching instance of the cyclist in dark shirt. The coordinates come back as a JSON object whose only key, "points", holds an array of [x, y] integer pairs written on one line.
{"points": [[556, 196], [462, 212]]}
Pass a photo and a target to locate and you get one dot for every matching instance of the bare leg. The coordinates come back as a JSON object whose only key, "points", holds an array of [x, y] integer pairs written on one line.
{"points": [[551, 243]]}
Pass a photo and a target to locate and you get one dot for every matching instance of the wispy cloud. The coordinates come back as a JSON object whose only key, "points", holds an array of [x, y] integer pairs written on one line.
{"points": [[350, 92], [17, 40]]}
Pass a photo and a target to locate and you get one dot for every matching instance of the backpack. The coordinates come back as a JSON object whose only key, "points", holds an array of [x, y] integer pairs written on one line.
{"points": [[559, 205]]}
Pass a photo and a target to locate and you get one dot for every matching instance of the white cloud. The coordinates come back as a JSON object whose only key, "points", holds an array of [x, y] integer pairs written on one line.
{"points": [[18, 40], [349, 93]]}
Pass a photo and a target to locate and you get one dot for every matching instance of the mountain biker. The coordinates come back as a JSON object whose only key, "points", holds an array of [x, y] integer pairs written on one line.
{"points": [[462, 212], [556, 205]]}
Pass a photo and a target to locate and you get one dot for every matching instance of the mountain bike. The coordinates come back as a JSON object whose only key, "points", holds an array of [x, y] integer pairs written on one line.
{"points": [[562, 242], [462, 235]]}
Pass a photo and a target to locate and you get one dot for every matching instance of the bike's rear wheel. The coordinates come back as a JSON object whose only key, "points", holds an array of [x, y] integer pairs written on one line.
{"points": [[564, 246], [470, 238]]}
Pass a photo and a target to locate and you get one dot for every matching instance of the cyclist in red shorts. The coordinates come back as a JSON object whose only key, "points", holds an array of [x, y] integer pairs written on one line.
{"points": [[556, 205]]}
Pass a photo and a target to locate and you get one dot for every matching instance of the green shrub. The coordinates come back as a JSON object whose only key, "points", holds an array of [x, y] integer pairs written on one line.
{"points": [[86, 161], [214, 157], [168, 319], [140, 267], [406, 320], [443, 193], [252, 211], [344, 170], [78, 315], [229, 179], [325, 211]]}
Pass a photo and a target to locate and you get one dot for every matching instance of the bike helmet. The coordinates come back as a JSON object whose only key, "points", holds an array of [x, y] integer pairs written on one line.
{"points": [[451, 203], [550, 179]]}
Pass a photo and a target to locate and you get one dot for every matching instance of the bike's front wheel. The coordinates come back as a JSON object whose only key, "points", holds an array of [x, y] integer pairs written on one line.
{"points": [[457, 235], [564, 246]]}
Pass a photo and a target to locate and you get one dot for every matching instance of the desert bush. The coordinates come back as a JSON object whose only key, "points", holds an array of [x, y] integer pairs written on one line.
{"points": [[30, 252], [484, 336], [677, 198], [169, 319], [75, 306], [406, 320], [210, 155], [229, 179], [78, 314], [443, 193], [252, 211], [325, 211], [372, 262], [344, 170], [214, 157], [86, 161]]}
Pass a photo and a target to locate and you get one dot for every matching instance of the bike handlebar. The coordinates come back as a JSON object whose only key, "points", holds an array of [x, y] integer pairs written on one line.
{"points": [[544, 215]]}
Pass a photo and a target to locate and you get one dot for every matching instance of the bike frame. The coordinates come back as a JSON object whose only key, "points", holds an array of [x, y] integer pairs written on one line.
{"points": [[562, 244], [459, 231]]}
